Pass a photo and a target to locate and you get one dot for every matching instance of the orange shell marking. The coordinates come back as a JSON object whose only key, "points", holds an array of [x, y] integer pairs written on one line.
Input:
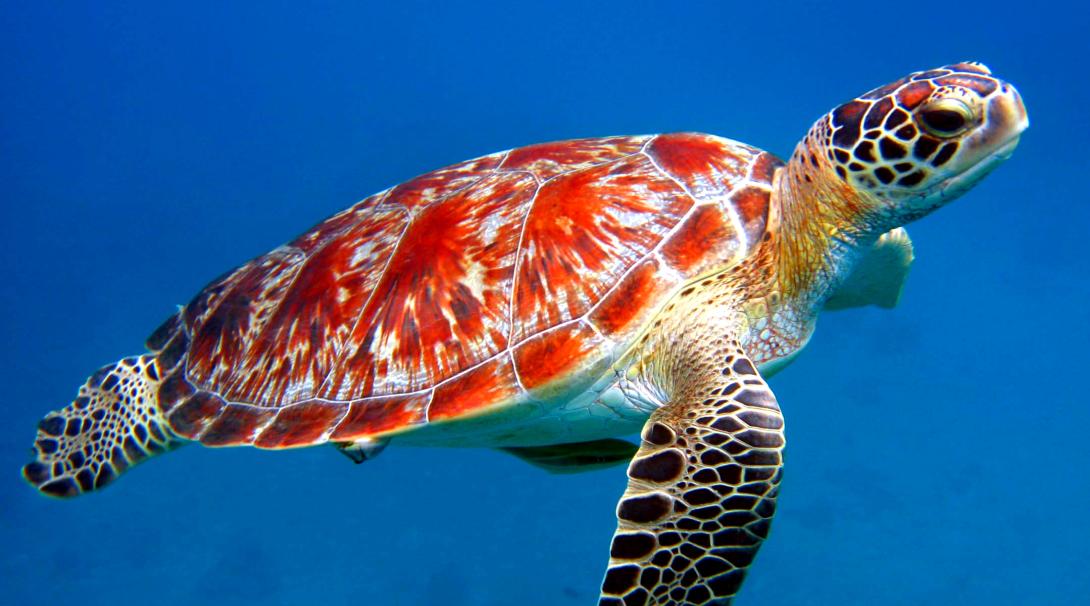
{"points": [[507, 277]]}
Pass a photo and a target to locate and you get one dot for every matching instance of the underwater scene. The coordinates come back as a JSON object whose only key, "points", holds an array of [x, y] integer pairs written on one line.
{"points": [[936, 452]]}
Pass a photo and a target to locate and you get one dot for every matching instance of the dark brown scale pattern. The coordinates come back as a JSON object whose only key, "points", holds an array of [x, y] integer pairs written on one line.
{"points": [[873, 138], [112, 425], [945, 154], [690, 524]]}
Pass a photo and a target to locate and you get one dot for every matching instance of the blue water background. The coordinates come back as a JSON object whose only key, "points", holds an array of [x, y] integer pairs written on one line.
{"points": [[937, 453]]}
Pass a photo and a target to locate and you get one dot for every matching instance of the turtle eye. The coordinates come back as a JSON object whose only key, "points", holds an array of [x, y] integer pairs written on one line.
{"points": [[945, 118]]}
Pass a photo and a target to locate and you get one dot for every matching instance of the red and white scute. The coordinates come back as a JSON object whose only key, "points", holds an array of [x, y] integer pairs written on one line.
{"points": [[504, 278]]}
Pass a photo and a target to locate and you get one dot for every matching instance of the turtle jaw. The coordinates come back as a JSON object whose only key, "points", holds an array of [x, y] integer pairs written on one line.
{"points": [[961, 182], [991, 145]]}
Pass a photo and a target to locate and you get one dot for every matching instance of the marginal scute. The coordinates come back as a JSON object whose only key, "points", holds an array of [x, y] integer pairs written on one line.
{"points": [[625, 309], [159, 338], [764, 167], [475, 391], [174, 351], [236, 424], [562, 353], [190, 418], [173, 391], [300, 424], [376, 416]]}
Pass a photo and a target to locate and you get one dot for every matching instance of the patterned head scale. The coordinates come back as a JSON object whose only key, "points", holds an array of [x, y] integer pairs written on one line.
{"points": [[924, 139]]}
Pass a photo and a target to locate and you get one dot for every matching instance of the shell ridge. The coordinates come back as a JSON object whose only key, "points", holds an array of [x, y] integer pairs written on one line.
{"points": [[663, 268], [304, 259], [431, 399], [363, 308], [612, 242], [541, 183], [515, 371], [236, 280], [518, 264], [333, 425], [480, 176], [506, 156]]}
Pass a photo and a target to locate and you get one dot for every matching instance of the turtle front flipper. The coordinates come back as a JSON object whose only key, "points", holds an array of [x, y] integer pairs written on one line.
{"points": [[879, 276], [701, 491]]}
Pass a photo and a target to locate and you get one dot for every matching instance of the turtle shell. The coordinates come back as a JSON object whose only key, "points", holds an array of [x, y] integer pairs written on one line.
{"points": [[514, 277]]}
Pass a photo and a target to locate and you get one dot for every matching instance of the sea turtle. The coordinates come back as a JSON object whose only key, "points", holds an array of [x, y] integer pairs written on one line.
{"points": [[549, 299]]}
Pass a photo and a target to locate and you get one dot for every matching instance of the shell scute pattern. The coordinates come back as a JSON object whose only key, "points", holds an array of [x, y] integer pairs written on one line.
{"points": [[616, 317], [706, 166], [442, 302], [574, 350], [319, 307], [511, 277], [585, 230], [437, 185], [548, 160], [242, 308]]}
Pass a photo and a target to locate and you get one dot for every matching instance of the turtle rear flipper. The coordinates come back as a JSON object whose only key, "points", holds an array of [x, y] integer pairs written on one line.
{"points": [[112, 424], [576, 457]]}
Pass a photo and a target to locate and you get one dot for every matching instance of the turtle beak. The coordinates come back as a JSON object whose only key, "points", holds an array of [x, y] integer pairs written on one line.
{"points": [[1005, 119], [1013, 105]]}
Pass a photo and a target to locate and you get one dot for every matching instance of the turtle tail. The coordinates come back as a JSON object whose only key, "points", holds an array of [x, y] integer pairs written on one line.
{"points": [[113, 424]]}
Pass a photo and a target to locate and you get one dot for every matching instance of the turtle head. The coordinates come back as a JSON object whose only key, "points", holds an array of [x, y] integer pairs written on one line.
{"points": [[915, 144]]}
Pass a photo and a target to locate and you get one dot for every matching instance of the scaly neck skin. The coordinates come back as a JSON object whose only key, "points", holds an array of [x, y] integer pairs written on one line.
{"points": [[824, 224]]}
